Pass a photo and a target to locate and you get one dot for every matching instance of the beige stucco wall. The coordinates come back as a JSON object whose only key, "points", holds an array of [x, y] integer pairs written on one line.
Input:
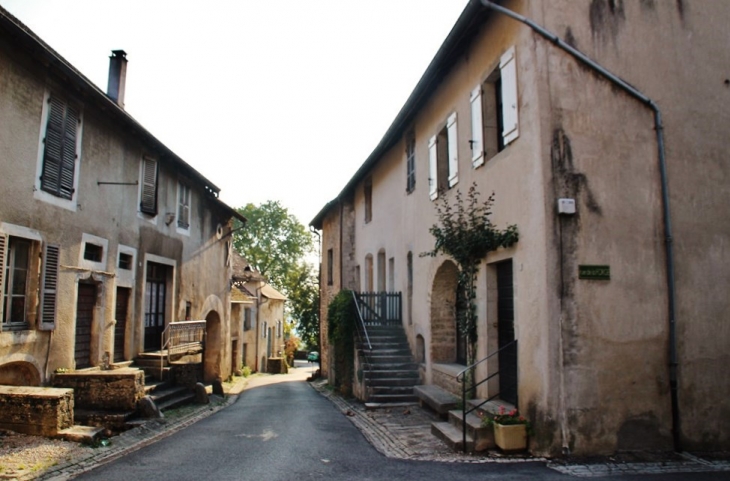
{"points": [[109, 212], [593, 362]]}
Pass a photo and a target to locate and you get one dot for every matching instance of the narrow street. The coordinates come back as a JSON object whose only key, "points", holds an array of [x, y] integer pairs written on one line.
{"points": [[282, 429]]}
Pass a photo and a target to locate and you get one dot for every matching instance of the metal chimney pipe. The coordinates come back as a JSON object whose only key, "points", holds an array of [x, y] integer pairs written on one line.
{"points": [[117, 76]]}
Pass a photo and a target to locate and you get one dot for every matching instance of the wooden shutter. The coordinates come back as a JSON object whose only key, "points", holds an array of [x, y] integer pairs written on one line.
{"points": [[59, 155], [508, 75], [49, 287], [183, 215], [453, 150], [148, 202], [3, 260], [433, 185], [477, 130]]}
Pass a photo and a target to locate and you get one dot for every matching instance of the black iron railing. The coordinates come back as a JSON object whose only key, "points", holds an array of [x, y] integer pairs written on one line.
{"points": [[507, 382], [380, 308]]}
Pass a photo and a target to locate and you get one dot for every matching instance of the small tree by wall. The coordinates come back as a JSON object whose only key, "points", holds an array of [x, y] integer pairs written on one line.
{"points": [[466, 234], [341, 316]]}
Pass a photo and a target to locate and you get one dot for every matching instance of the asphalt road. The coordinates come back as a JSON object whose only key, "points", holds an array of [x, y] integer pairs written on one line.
{"points": [[287, 431]]}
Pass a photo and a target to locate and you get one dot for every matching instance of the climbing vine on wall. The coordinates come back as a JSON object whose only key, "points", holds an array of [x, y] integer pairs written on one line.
{"points": [[341, 316], [465, 233]]}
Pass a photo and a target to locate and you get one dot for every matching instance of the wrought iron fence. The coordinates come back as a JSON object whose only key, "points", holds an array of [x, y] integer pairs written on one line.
{"points": [[380, 308]]}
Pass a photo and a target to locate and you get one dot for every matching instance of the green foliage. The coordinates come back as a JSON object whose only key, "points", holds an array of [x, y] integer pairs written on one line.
{"points": [[303, 304], [273, 240], [466, 234], [245, 371], [341, 315], [276, 244]]}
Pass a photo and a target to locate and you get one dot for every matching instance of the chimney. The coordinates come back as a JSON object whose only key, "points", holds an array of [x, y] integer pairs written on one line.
{"points": [[117, 76]]}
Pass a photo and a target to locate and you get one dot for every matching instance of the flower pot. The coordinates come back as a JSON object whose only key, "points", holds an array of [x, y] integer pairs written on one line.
{"points": [[510, 438]]}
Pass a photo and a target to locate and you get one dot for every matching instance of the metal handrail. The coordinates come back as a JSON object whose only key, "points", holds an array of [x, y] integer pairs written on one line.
{"points": [[362, 321], [366, 355], [461, 377], [195, 331]]}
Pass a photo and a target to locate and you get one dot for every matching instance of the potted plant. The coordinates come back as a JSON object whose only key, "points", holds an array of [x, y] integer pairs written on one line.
{"points": [[510, 430]]}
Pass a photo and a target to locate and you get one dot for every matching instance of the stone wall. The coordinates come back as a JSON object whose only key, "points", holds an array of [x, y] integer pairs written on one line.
{"points": [[187, 374], [446, 381], [119, 389], [36, 411], [276, 365]]}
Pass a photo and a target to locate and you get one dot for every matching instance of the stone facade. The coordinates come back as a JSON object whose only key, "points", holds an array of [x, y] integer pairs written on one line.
{"points": [[107, 235], [36, 411], [116, 390], [592, 359]]}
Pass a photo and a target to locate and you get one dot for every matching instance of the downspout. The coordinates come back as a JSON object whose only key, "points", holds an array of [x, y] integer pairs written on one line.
{"points": [[669, 257]]}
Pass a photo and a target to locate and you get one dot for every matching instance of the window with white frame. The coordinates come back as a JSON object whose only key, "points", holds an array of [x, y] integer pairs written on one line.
{"points": [[443, 159], [148, 187], [28, 278], [410, 162], [494, 117], [183, 205]]}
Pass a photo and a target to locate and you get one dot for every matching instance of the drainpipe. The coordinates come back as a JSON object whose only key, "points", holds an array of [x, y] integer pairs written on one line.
{"points": [[669, 257]]}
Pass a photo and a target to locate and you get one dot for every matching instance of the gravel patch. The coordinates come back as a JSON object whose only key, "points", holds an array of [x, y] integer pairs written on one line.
{"points": [[27, 457]]}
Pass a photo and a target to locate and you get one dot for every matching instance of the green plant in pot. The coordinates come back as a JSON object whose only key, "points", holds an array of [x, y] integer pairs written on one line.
{"points": [[510, 430]]}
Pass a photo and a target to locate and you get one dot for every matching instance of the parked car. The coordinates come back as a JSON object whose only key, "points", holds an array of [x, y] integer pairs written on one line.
{"points": [[313, 356]]}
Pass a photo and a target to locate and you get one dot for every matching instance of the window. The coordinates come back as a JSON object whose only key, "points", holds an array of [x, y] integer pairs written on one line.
{"points": [[368, 199], [246, 318], [148, 189], [409, 297], [21, 263], [183, 206], [369, 273], [391, 274], [125, 261], [60, 148], [279, 328], [410, 162], [330, 267], [93, 252], [443, 159], [494, 119], [264, 329]]}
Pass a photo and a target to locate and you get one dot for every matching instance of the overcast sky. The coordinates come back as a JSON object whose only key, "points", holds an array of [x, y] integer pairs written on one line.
{"points": [[270, 100]]}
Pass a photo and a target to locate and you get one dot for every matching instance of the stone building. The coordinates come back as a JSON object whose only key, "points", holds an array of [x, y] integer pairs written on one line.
{"points": [[257, 318], [106, 236], [612, 171]]}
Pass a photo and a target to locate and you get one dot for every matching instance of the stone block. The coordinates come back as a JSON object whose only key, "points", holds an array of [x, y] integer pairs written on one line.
{"points": [[38, 411]]}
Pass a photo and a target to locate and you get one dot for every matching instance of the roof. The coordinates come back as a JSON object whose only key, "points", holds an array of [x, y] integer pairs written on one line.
{"points": [[23, 40], [241, 295], [243, 271], [272, 293], [467, 26]]}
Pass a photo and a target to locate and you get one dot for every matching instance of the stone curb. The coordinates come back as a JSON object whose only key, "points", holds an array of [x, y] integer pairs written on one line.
{"points": [[387, 444]]}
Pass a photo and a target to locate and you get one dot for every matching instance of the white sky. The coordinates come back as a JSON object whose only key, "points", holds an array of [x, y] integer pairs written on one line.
{"points": [[270, 100]]}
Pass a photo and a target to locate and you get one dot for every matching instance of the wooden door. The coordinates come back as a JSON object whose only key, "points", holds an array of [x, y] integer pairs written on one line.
{"points": [[506, 333], [84, 318], [120, 329]]}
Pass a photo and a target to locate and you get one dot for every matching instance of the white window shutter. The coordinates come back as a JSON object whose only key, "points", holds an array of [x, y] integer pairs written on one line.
{"points": [[3, 260], [477, 130], [49, 287], [453, 150], [433, 185], [508, 74]]}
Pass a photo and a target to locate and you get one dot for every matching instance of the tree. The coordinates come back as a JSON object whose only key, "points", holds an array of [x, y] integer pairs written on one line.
{"points": [[276, 244], [467, 235], [273, 240]]}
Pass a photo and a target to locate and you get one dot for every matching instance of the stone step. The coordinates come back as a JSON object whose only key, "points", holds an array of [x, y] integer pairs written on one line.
{"points": [[186, 397], [392, 398], [483, 436], [81, 434], [388, 359], [391, 366], [452, 437], [391, 374], [114, 420], [395, 381], [150, 362], [436, 398], [163, 394], [379, 389]]}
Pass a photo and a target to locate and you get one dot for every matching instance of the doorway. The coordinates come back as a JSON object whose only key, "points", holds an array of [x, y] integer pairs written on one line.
{"points": [[155, 303], [120, 328], [85, 303], [506, 333]]}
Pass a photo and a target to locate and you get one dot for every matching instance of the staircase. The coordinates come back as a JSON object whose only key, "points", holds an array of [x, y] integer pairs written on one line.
{"points": [[388, 368], [155, 365], [478, 437]]}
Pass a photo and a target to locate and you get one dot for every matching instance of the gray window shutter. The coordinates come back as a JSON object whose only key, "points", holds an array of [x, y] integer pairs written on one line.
{"points": [[59, 158], [148, 203], [508, 74], [49, 287], [3, 260], [433, 185], [453, 150], [477, 131]]}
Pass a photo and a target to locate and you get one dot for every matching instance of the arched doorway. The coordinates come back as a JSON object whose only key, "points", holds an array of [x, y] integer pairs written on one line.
{"points": [[20, 373], [443, 314], [213, 346]]}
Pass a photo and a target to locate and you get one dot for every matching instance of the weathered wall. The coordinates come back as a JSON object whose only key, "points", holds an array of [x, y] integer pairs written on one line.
{"points": [[110, 213], [118, 389]]}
